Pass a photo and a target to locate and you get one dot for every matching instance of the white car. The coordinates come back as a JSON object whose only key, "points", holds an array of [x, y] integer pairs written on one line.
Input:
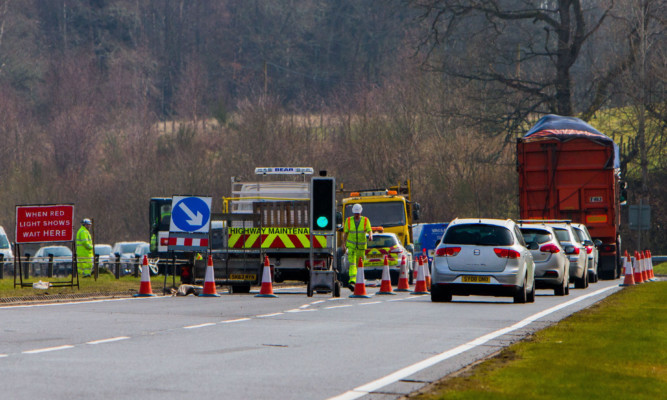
{"points": [[103, 253], [124, 256], [576, 252], [480, 256], [552, 266], [591, 250], [5, 250]]}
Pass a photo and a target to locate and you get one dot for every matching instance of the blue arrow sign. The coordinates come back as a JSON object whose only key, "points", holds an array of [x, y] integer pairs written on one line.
{"points": [[190, 214]]}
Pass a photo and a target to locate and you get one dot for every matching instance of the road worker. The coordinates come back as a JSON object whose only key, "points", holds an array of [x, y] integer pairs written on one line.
{"points": [[355, 240], [84, 248]]}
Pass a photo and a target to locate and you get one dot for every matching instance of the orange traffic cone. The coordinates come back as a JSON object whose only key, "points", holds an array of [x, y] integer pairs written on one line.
{"points": [[360, 285], [209, 281], [427, 273], [642, 265], [267, 287], [385, 286], [415, 268], [403, 284], [145, 289], [636, 267], [420, 286], [626, 257], [627, 267], [648, 263]]}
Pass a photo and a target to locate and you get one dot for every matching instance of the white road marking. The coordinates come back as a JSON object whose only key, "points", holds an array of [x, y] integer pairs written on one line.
{"points": [[199, 326], [296, 310], [341, 306], [366, 389], [231, 321], [47, 349], [109, 340], [268, 315], [3, 355], [371, 302]]}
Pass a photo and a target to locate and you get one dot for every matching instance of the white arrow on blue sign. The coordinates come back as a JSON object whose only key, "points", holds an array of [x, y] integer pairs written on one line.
{"points": [[190, 214]]}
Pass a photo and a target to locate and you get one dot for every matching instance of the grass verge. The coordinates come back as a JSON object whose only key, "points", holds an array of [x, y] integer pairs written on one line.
{"points": [[613, 350], [106, 283], [660, 269]]}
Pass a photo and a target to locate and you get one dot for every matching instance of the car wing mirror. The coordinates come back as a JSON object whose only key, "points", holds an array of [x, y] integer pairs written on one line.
{"points": [[598, 242]]}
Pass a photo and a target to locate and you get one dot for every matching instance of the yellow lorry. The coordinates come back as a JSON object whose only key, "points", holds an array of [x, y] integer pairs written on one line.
{"points": [[390, 208]]}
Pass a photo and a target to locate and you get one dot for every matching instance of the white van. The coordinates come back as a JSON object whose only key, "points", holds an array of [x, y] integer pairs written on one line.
{"points": [[6, 248]]}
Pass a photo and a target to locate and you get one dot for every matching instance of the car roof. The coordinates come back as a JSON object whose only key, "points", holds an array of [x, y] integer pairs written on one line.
{"points": [[490, 221]]}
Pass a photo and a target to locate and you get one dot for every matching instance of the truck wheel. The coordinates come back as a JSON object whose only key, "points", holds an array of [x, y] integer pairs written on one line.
{"points": [[336, 292], [309, 290]]}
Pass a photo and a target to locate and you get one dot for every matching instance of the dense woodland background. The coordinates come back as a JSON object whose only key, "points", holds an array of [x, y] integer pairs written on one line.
{"points": [[106, 103]]}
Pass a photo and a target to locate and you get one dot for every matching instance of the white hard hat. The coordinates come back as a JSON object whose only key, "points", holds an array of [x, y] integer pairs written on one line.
{"points": [[357, 208], [86, 221]]}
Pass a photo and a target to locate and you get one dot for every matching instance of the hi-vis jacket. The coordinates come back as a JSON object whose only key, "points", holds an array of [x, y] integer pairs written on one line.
{"points": [[356, 233]]}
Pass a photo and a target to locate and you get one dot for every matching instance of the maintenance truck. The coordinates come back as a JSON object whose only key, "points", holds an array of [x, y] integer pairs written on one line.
{"points": [[268, 217], [390, 208], [570, 171]]}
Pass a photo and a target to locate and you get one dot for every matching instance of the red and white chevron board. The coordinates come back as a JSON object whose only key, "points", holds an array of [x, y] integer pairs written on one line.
{"points": [[189, 242]]}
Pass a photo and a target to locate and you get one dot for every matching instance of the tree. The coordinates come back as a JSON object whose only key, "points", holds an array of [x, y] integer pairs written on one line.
{"points": [[523, 52]]}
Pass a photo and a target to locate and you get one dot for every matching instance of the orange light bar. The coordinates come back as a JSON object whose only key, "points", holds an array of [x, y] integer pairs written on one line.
{"points": [[377, 229], [354, 194], [596, 219], [392, 192]]}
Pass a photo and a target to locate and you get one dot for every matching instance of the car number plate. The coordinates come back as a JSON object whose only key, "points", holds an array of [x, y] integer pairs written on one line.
{"points": [[242, 277], [475, 279]]}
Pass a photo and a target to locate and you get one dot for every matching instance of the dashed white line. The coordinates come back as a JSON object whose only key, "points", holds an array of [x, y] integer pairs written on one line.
{"points": [[341, 306], [47, 349], [268, 315], [109, 340], [199, 325], [369, 303], [231, 321]]}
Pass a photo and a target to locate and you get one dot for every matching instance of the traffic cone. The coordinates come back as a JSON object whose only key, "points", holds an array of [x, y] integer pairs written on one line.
{"points": [[427, 273], [360, 285], [209, 281], [267, 287], [420, 286], [648, 263], [642, 265], [626, 257], [415, 268], [403, 283], [145, 289], [636, 268], [627, 267], [385, 286]]}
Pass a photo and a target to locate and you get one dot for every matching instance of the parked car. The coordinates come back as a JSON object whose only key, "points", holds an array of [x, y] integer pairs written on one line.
{"points": [[124, 257], [591, 250], [483, 257], [62, 260], [576, 252], [552, 266], [381, 245], [5, 250], [103, 252]]}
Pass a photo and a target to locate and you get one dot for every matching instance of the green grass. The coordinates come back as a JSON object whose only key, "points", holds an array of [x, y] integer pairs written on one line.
{"points": [[613, 350], [106, 283], [660, 269]]}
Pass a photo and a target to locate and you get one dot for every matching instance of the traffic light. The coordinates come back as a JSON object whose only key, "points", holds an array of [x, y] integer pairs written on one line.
{"points": [[322, 204]]}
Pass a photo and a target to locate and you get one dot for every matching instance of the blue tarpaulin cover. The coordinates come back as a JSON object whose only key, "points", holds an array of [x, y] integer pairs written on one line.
{"points": [[566, 128]]}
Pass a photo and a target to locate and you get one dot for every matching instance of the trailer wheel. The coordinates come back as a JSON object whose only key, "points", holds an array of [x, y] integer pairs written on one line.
{"points": [[336, 292], [309, 290]]}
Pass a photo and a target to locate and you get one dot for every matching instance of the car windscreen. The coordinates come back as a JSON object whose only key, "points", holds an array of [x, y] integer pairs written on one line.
{"points": [[103, 251], [388, 213], [4, 243], [478, 234], [58, 252], [128, 247], [562, 234], [380, 241], [581, 235], [538, 236]]}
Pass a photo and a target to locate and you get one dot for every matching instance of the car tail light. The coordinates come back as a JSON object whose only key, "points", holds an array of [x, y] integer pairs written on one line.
{"points": [[506, 253], [447, 251], [575, 251], [608, 248], [589, 249], [549, 248]]}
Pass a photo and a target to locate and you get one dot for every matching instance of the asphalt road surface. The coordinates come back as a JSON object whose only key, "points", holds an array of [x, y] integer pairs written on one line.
{"points": [[245, 347]]}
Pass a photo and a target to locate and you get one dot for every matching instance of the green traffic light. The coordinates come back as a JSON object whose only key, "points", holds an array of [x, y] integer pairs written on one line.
{"points": [[322, 222]]}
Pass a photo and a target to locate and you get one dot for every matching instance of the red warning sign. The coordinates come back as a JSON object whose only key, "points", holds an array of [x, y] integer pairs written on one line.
{"points": [[52, 223]]}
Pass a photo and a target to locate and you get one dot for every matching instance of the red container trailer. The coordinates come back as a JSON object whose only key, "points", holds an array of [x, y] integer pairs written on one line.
{"points": [[569, 170]]}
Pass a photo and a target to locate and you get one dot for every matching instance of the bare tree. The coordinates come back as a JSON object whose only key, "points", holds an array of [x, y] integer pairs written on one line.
{"points": [[522, 53]]}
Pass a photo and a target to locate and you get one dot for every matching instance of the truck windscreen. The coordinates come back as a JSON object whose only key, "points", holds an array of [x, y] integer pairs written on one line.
{"points": [[388, 213]]}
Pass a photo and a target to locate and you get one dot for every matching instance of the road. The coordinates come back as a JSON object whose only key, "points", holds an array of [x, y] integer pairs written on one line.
{"points": [[244, 347]]}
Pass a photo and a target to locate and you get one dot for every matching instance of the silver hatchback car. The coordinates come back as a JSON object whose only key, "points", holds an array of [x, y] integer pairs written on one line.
{"points": [[483, 257], [552, 266], [591, 250], [576, 252]]}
